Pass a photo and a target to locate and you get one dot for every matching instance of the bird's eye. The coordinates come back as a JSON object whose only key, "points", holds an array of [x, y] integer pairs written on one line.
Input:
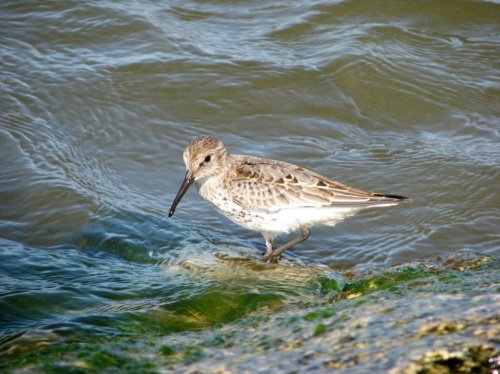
{"points": [[208, 158]]}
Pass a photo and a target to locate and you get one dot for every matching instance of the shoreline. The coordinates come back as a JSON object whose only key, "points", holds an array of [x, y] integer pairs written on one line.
{"points": [[435, 316]]}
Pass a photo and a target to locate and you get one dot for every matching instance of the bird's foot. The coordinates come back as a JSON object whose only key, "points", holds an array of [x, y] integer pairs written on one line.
{"points": [[271, 257]]}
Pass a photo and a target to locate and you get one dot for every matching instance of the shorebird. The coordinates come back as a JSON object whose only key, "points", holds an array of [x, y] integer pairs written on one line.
{"points": [[270, 196]]}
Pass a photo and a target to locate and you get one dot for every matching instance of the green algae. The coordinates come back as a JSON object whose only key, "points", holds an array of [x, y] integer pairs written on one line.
{"points": [[106, 356], [166, 350], [282, 331], [320, 329], [387, 281], [432, 277]]}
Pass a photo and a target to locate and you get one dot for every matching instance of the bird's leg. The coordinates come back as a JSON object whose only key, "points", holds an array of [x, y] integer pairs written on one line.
{"points": [[272, 256], [269, 246]]}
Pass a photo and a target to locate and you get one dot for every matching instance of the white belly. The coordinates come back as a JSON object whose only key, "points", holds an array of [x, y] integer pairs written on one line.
{"points": [[273, 222]]}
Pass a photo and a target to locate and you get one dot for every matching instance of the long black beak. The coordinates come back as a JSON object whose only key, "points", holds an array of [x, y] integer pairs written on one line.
{"points": [[188, 181]]}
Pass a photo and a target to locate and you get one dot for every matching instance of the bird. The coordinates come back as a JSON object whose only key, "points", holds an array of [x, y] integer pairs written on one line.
{"points": [[270, 196]]}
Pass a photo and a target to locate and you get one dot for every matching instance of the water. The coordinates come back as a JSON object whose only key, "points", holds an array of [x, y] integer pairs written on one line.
{"points": [[99, 99]]}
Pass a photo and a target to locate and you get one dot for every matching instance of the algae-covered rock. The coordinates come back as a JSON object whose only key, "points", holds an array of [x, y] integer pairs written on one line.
{"points": [[434, 316]]}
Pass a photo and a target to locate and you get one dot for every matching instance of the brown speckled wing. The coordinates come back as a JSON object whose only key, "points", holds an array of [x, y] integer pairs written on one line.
{"points": [[263, 183]]}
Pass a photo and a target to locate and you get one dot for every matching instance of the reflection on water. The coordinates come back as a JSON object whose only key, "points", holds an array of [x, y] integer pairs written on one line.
{"points": [[99, 100]]}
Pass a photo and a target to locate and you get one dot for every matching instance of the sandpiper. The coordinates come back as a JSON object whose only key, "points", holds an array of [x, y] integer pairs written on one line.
{"points": [[270, 196]]}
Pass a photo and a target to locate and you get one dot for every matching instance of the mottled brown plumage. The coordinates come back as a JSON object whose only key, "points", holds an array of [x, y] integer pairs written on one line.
{"points": [[270, 196]]}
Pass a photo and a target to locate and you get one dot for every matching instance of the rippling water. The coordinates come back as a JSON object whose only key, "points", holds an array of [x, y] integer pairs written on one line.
{"points": [[99, 99]]}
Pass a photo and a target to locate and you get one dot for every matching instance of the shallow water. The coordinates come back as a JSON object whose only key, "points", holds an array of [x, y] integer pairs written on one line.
{"points": [[99, 99]]}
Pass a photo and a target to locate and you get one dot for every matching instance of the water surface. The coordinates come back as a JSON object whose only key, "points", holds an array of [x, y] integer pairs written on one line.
{"points": [[99, 99]]}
